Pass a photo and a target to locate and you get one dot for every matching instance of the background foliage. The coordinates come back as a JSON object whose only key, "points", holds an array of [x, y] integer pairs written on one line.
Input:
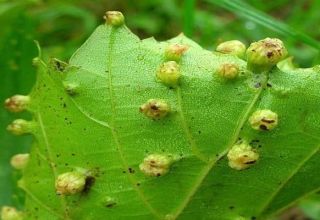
{"points": [[62, 26]]}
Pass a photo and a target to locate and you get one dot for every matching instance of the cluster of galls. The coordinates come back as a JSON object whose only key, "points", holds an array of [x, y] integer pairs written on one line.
{"points": [[17, 103], [168, 74], [242, 155], [261, 56]]}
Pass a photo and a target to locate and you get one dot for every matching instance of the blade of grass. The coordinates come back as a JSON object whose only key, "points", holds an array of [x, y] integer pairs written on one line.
{"points": [[188, 17], [244, 10]]}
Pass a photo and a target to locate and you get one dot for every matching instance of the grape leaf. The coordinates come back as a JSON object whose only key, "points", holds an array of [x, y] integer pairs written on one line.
{"points": [[98, 127]]}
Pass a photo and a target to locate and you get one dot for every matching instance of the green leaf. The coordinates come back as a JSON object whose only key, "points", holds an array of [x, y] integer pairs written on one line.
{"points": [[87, 119]]}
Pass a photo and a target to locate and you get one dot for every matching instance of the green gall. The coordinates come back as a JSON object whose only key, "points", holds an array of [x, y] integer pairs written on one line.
{"points": [[233, 47], [70, 183], [175, 51], [114, 18], [71, 88], [169, 73], [241, 156], [36, 61], [58, 65], [109, 202], [17, 103], [228, 71], [264, 54], [169, 217], [10, 213], [20, 126], [156, 165], [19, 161], [155, 108], [263, 120]]}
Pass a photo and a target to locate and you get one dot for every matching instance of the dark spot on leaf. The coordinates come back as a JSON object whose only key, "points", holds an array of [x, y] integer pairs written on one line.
{"points": [[257, 85], [251, 162], [263, 127], [231, 207], [90, 180], [269, 54], [111, 204], [131, 170], [269, 121]]}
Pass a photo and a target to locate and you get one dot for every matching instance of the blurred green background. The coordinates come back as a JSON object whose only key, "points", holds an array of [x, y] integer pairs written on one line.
{"points": [[62, 26]]}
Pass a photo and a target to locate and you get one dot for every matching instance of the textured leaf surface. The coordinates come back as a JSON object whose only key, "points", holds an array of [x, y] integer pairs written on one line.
{"points": [[101, 129]]}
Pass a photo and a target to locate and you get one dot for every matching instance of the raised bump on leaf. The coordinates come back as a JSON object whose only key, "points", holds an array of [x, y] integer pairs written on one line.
{"points": [[233, 47], [19, 161], [10, 213], [20, 126], [114, 18], [109, 202], [169, 73], [155, 108], [264, 54], [175, 51], [58, 65], [241, 156], [70, 183], [263, 120], [36, 61], [71, 88], [17, 103], [228, 71], [156, 164]]}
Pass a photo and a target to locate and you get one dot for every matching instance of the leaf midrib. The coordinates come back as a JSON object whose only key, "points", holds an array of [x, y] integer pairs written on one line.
{"points": [[204, 173], [49, 155], [114, 132]]}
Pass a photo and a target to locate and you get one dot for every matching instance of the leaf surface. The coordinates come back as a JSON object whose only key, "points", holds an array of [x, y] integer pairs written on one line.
{"points": [[101, 129]]}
